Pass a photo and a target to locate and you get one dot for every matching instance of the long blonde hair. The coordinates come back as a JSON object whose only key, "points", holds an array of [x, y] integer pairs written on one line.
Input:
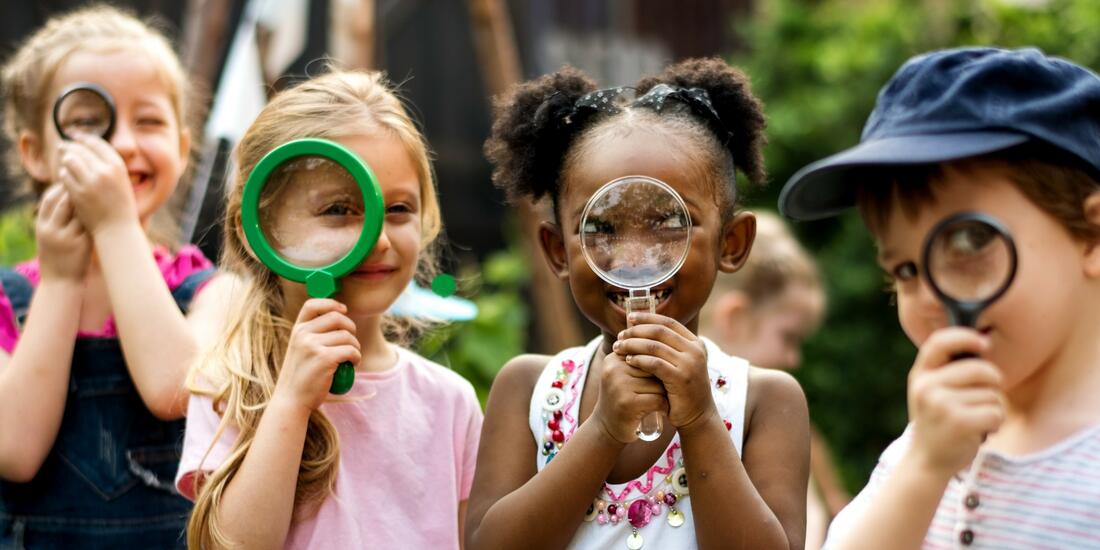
{"points": [[27, 77], [243, 366]]}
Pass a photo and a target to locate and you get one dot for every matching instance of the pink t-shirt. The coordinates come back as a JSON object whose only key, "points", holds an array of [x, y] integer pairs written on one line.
{"points": [[175, 269], [407, 459]]}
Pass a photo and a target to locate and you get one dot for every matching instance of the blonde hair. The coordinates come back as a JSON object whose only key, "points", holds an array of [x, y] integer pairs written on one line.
{"points": [[244, 365], [28, 75], [776, 261]]}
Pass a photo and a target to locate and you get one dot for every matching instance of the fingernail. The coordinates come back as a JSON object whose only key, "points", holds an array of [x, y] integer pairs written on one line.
{"points": [[621, 333], [615, 346], [628, 358], [632, 317]]}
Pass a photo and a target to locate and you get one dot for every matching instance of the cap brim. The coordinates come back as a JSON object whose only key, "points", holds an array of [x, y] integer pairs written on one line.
{"points": [[825, 187]]}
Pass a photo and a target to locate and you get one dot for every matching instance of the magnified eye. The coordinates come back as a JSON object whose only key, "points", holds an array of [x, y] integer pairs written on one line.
{"points": [[597, 226], [673, 221], [340, 209], [971, 239]]}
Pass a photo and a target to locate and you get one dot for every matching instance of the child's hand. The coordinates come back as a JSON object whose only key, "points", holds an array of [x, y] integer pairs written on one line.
{"points": [[627, 395], [96, 177], [63, 245], [322, 338], [663, 347], [953, 404]]}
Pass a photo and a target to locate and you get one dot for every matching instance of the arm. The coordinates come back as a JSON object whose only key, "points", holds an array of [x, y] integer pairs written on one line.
{"points": [[953, 404], [825, 474], [759, 499], [34, 380], [513, 507], [258, 503], [156, 340], [510, 506]]}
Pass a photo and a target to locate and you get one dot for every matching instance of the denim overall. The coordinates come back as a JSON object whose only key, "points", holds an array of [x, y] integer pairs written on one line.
{"points": [[108, 480]]}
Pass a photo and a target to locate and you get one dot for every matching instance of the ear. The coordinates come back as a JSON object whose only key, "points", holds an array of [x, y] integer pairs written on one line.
{"points": [[1092, 250], [737, 237], [33, 156], [553, 249], [185, 147], [729, 315]]}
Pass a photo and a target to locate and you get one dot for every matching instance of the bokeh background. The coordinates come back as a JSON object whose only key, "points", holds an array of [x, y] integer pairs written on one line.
{"points": [[816, 64]]}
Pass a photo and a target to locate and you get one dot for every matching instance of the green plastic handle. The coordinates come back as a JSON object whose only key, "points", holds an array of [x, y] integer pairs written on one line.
{"points": [[343, 379], [321, 282]]}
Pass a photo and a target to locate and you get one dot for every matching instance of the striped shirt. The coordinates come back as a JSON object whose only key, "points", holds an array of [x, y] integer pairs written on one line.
{"points": [[1045, 500]]}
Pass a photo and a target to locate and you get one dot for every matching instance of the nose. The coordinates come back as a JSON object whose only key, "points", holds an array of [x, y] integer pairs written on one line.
{"points": [[122, 139], [382, 245]]}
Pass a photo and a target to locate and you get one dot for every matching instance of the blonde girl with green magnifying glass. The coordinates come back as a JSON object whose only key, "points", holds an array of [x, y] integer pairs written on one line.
{"points": [[270, 458]]}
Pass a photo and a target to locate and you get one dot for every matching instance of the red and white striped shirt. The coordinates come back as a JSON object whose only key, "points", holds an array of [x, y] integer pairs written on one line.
{"points": [[1045, 500]]}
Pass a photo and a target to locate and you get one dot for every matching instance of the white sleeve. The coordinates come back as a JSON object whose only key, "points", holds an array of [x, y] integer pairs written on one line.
{"points": [[843, 522]]}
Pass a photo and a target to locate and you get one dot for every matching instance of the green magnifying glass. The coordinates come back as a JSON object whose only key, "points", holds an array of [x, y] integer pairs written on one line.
{"points": [[312, 211]]}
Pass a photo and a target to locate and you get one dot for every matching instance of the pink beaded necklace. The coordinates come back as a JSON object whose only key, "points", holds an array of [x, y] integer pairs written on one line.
{"points": [[665, 484]]}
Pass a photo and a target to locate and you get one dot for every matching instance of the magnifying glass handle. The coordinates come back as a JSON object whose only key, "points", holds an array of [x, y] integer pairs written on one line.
{"points": [[649, 429], [343, 379]]}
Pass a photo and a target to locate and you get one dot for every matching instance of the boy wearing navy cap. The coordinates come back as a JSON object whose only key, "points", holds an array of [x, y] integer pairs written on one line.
{"points": [[1003, 446]]}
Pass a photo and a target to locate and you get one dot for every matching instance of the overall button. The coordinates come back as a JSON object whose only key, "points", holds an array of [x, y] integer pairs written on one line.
{"points": [[966, 537], [972, 501]]}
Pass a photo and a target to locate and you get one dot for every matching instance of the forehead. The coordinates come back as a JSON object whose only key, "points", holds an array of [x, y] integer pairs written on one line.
{"points": [[390, 161], [617, 152], [128, 74]]}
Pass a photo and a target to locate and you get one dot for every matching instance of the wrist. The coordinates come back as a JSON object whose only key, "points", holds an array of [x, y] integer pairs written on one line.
{"points": [[107, 229], [287, 406], [705, 424], [922, 465], [603, 435], [56, 282]]}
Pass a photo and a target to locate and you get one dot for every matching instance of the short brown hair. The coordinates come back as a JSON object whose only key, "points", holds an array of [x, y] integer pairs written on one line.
{"points": [[1052, 180]]}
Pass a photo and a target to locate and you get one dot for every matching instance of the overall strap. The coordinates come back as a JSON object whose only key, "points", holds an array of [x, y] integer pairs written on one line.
{"points": [[19, 291]]}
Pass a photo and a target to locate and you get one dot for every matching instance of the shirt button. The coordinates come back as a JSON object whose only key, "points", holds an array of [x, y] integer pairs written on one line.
{"points": [[972, 501], [966, 537]]}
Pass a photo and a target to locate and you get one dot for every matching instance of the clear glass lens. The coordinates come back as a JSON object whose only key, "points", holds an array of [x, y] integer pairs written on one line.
{"points": [[970, 261], [311, 211], [635, 232], [84, 111]]}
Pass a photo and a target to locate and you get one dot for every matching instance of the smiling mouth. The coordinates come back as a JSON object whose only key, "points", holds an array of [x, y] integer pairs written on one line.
{"points": [[620, 298], [139, 180]]}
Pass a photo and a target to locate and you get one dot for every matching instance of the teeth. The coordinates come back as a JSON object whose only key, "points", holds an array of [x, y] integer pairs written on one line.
{"points": [[621, 298]]}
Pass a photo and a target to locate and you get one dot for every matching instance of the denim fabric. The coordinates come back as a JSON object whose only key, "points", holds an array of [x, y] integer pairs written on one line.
{"points": [[107, 482]]}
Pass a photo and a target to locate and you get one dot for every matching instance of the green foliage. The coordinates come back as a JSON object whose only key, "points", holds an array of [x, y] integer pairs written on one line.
{"points": [[818, 66], [479, 348], [16, 236]]}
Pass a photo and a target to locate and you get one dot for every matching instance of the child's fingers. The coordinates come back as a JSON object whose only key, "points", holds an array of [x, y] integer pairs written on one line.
{"points": [[983, 419], [330, 321], [646, 386], [646, 346], [946, 344], [336, 338], [656, 366], [315, 307], [966, 373], [97, 145], [651, 402], [49, 202], [639, 319], [975, 397], [62, 214], [77, 161], [340, 354]]}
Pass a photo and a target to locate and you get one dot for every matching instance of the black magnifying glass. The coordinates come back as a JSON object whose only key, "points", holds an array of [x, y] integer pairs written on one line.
{"points": [[84, 108], [969, 261]]}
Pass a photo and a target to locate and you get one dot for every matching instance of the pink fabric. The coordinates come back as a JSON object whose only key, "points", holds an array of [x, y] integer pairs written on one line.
{"points": [[175, 269], [407, 459], [8, 333]]}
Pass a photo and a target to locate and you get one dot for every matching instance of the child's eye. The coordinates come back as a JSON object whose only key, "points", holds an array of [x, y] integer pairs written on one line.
{"points": [[400, 208], [674, 221], [597, 226], [339, 209], [151, 122], [904, 272]]}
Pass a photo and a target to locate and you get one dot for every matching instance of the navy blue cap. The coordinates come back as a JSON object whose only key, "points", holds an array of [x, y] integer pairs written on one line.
{"points": [[953, 104]]}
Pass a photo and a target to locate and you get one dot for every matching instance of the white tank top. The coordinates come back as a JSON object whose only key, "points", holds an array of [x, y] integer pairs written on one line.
{"points": [[654, 510]]}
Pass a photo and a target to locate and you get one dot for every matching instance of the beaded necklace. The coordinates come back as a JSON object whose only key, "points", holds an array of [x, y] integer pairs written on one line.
{"points": [[609, 506]]}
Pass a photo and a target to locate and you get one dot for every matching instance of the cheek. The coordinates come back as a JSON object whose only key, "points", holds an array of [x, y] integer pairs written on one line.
{"points": [[405, 238], [914, 326]]}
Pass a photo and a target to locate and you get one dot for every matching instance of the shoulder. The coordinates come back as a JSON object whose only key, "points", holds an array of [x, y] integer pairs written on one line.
{"points": [[516, 380], [774, 388], [440, 378]]}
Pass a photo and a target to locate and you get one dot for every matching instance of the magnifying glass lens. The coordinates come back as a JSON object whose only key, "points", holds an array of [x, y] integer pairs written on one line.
{"points": [[635, 233], [311, 211], [970, 260], [83, 111]]}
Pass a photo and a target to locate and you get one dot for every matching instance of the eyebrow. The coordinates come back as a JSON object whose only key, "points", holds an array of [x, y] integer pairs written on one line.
{"points": [[885, 256]]}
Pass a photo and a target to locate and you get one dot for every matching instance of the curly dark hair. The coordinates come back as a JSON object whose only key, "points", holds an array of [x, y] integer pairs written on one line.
{"points": [[536, 126]]}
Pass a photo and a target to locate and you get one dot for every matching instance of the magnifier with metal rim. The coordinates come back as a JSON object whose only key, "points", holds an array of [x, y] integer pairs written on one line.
{"points": [[84, 108], [312, 212], [969, 261], [635, 234]]}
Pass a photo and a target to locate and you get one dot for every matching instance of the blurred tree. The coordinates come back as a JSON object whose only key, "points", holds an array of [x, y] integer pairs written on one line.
{"points": [[818, 65]]}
